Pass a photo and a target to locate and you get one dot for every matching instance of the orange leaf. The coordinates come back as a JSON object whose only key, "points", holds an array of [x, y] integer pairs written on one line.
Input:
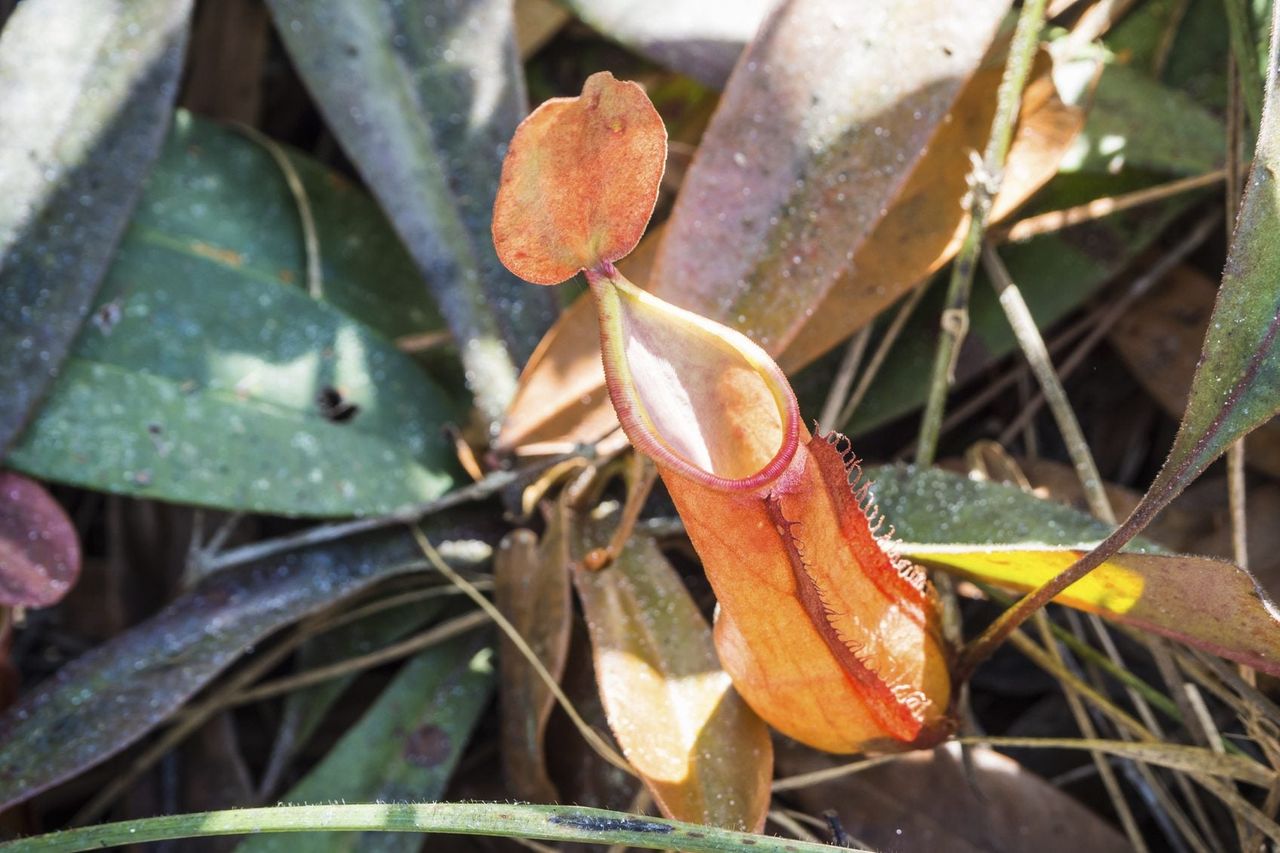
{"points": [[828, 637], [579, 181], [704, 755]]}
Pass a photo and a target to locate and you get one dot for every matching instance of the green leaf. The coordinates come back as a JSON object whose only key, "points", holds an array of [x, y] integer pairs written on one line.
{"points": [[1237, 385], [111, 696], [999, 534], [86, 88], [405, 747], [201, 379], [305, 709], [1138, 124], [224, 192], [424, 105]]}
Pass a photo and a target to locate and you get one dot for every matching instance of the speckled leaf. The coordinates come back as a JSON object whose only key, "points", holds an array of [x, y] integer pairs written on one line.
{"points": [[86, 88], [702, 39], [1237, 384], [39, 548], [109, 697], [224, 195], [405, 747], [423, 100], [1002, 535], [205, 379], [531, 588], [705, 756], [818, 130]]}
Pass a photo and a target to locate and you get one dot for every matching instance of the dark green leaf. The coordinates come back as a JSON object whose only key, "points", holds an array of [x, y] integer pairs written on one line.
{"points": [[86, 88], [405, 747], [105, 700], [206, 379], [1237, 385], [424, 102], [999, 534], [305, 709]]}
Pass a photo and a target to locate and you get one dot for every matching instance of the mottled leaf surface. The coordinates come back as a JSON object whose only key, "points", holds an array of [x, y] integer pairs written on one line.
{"points": [[39, 547], [207, 379], [424, 102], [405, 747], [1237, 385], [579, 181], [811, 142], [704, 754], [999, 534], [86, 89], [111, 696]]}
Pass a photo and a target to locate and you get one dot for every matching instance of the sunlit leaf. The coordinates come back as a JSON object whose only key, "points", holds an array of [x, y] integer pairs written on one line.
{"points": [[704, 754], [206, 379], [531, 588], [702, 39], [1002, 535], [424, 105], [86, 89], [579, 181], [39, 547], [111, 696], [405, 747], [782, 197]]}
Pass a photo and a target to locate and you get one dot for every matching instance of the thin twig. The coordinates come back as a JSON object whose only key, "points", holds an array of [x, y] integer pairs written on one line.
{"points": [[431, 637], [589, 734], [984, 184], [1115, 311], [838, 394], [1056, 220], [1242, 51], [882, 352], [1087, 728], [310, 238], [1037, 355], [320, 534]]}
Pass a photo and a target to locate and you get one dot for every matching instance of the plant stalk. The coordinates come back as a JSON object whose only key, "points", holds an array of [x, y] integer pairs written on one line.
{"points": [[984, 184]]}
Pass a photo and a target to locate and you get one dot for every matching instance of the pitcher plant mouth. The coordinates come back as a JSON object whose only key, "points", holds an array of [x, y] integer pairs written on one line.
{"points": [[681, 384]]}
